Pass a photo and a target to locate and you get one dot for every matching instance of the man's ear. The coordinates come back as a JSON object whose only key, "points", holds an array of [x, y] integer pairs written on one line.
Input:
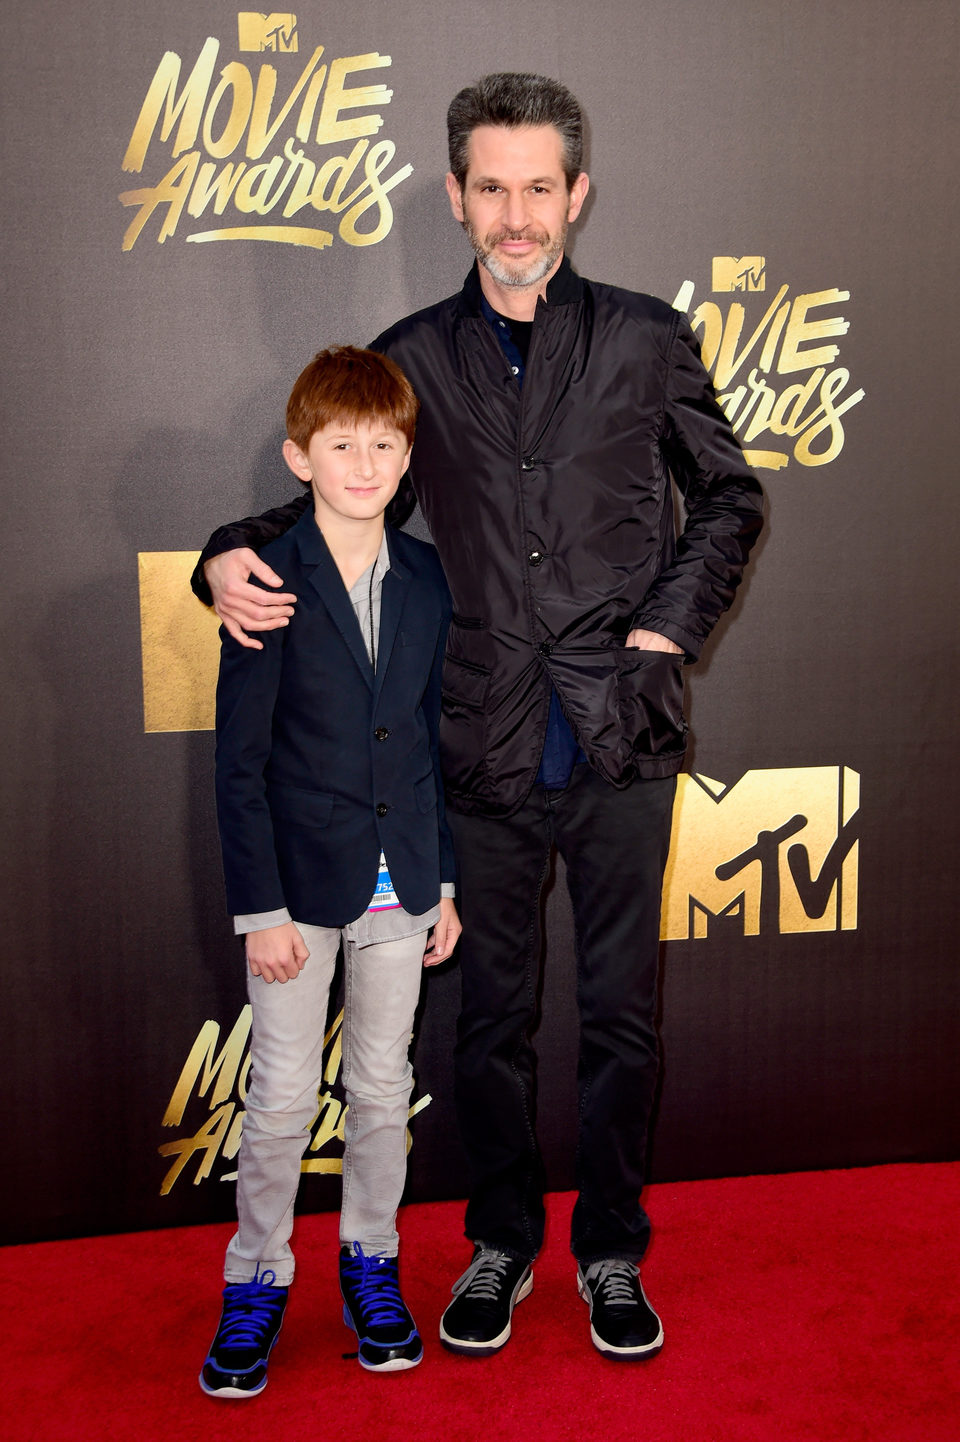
{"points": [[578, 194], [297, 461], [456, 196]]}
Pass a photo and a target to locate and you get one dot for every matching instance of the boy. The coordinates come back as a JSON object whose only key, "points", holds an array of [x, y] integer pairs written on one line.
{"points": [[332, 827]]}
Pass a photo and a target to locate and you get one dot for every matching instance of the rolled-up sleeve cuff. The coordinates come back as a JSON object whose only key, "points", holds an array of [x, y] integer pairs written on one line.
{"points": [[260, 921]]}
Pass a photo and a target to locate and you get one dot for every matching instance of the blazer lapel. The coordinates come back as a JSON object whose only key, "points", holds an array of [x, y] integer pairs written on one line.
{"points": [[320, 570], [393, 596]]}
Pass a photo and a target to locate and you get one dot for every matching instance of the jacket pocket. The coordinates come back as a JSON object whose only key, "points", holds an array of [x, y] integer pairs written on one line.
{"points": [[293, 805], [650, 702], [465, 685], [463, 726]]}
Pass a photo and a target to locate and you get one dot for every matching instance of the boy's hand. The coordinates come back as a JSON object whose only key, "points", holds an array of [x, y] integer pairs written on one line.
{"points": [[276, 954], [239, 604], [444, 936]]}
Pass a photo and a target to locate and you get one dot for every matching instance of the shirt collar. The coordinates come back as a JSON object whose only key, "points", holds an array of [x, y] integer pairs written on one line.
{"points": [[363, 584], [563, 288]]}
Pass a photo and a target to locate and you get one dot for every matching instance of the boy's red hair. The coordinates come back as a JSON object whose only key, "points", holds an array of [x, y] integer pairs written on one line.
{"points": [[351, 387]]}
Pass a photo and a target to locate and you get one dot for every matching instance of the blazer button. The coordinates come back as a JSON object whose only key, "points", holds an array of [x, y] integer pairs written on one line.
{"points": [[381, 733], [382, 808], [536, 558], [545, 648], [527, 464]]}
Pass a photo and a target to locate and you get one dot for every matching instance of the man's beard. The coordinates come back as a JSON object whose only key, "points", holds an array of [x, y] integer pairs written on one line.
{"points": [[518, 274]]}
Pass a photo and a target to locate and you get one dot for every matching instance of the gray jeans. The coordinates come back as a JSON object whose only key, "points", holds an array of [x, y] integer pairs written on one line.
{"points": [[382, 985]]}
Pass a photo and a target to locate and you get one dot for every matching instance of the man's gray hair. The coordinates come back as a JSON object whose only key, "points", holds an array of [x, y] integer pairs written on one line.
{"points": [[512, 99]]}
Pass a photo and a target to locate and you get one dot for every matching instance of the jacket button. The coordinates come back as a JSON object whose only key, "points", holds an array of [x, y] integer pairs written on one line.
{"points": [[535, 558], [527, 464], [382, 808], [381, 733], [544, 648]]}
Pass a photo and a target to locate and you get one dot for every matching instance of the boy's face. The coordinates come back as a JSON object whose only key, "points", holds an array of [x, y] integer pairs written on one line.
{"points": [[353, 471]]}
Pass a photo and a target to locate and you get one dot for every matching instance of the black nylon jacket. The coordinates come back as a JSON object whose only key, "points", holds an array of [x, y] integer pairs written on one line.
{"points": [[553, 515], [552, 511]]}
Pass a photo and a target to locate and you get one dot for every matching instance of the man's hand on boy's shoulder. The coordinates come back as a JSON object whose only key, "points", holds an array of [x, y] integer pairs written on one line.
{"points": [[277, 953], [240, 605], [444, 936]]}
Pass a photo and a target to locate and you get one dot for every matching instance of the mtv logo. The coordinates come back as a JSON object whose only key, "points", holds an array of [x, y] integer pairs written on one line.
{"points": [[775, 852], [746, 273], [268, 32]]}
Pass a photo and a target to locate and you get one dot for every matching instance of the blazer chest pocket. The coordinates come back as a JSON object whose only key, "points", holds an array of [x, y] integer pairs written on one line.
{"points": [[423, 635], [297, 807]]}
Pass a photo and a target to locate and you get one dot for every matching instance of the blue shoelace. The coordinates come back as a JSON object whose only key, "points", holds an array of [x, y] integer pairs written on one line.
{"points": [[377, 1287], [249, 1311]]}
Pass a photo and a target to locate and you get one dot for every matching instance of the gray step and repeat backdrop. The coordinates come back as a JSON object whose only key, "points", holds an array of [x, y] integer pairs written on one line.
{"points": [[197, 199]]}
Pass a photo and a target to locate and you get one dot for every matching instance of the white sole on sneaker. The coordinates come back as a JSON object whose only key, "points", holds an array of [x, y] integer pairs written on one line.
{"points": [[493, 1344], [620, 1354], [398, 1364], [232, 1392]]}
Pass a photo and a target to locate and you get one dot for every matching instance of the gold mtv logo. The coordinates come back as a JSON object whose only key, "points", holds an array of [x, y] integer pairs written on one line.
{"points": [[268, 32], [775, 852], [748, 272]]}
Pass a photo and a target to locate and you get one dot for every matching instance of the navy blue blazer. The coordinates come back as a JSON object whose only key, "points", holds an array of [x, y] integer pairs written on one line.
{"points": [[321, 763]]}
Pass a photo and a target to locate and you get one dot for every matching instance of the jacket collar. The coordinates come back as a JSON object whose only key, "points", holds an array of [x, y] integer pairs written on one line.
{"points": [[563, 288]]}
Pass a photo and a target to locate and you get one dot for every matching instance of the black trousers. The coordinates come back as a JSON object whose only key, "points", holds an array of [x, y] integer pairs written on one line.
{"points": [[614, 844]]}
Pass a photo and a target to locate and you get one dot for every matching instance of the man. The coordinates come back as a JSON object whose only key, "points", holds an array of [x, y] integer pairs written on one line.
{"points": [[554, 412]]}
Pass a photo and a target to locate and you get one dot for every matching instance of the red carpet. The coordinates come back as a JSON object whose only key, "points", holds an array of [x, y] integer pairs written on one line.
{"points": [[801, 1308]]}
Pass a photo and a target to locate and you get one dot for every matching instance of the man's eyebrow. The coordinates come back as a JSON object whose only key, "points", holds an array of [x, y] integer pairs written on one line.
{"points": [[494, 180]]}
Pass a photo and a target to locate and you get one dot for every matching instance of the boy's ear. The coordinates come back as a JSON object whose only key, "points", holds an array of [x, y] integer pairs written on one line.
{"points": [[297, 461], [406, 461]]}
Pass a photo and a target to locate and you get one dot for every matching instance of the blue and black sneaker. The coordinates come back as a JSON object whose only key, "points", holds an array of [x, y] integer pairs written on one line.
{"points": [[250, 1322], [372, 1305]]}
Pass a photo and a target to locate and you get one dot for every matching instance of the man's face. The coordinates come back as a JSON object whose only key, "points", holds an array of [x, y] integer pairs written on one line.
{"points": [[515, 205]]}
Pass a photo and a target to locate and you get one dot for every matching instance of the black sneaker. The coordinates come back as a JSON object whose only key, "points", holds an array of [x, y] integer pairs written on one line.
{"points": [[623, 1325], [372, 1305], [477, 1321], [250, 1322]]}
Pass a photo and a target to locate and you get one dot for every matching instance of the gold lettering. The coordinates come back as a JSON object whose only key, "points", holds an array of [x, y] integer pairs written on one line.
{"points": [[262, 131], [304, 171], [309, 107], [236, 79], [376, 161], [829, 391], [328, 1123], [339, 169], [203, 1067], [333, 1046], [761, 402], [207, 1141], [728, 360], [330, 128], [799, 330], [172, 190], [788, 418], [209, 184], [770, 344], [253, 192], [188, 108]]}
